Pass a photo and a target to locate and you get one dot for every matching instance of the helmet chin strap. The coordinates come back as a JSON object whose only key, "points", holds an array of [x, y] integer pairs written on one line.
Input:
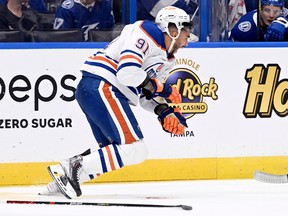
{"points": [[173, 41], [171, 45]]}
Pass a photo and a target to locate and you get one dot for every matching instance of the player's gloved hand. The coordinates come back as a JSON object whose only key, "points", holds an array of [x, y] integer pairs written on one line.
{"points": [[172, 120], [155, 88], [276, 30]]}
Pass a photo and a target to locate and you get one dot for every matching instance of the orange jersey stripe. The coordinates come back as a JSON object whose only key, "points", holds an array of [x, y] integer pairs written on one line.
{"points": [[112, 165], [123, 124], [113, 64], [131, 57]]}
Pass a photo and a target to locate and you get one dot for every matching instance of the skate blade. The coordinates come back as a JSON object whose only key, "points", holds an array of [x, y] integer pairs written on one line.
{"points": [[58, 174], [47, 193], [269, 177]]}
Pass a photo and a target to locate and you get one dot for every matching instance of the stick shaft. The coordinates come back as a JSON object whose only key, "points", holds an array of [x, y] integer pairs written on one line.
{"points": [[98, 204]]}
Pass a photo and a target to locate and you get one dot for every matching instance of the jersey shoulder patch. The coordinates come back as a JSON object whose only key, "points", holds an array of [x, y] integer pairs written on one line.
{"points": [[67, 4], [244, 26]]}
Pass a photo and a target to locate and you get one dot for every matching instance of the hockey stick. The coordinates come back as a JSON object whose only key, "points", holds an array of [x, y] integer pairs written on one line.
{"points": [[195, 12], [270, 178], [184, 207]]}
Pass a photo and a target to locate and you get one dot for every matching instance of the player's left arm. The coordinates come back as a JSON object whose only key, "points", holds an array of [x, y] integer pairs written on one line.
{"points": [[152, 87]]}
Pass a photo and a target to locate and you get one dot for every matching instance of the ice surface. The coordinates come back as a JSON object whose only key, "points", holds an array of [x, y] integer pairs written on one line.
{"points": [[207, 197]]}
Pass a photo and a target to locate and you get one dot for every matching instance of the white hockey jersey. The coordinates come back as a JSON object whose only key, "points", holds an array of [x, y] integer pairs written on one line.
{"points": [[126, 61]]}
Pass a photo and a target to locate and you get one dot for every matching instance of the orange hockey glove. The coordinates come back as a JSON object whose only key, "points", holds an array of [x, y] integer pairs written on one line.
{"points": [[172, 121], [154, 88]]}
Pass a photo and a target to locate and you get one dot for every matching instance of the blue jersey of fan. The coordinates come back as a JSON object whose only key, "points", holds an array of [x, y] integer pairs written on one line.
{"points": [[72, 14], [246, 29]]}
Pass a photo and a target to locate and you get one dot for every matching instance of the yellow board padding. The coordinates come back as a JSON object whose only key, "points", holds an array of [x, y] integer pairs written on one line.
{"points": [[156, 170], [244, 167]]}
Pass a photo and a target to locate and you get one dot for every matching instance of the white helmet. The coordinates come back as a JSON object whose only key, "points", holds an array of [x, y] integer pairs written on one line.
{"points": [[171, 14]]}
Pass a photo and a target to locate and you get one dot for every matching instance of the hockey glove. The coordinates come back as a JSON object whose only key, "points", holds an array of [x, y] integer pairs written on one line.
{"points": [[154, 88], [276, 30], [172, 120]]}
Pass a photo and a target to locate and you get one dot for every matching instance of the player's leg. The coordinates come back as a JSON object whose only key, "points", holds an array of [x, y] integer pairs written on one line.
{"points": [[87, 96], [112, 157], [116, 130], [73, 171], [110, 111], [52, 187]]}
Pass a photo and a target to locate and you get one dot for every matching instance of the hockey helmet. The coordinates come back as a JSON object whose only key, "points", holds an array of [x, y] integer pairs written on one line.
{"points": [[171, 14], [277, 3]]}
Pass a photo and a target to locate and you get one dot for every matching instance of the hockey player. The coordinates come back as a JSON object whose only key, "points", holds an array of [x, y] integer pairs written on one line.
{"points": [[85, 15], [134, 64], [267, 25]]}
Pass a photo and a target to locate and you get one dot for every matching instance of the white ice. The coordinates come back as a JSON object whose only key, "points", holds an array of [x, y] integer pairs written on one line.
{"points": [[207, 197]]}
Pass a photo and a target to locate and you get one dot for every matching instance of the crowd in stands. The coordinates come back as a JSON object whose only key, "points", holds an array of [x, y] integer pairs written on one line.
{"points": [[47, 20], [100, 20]]}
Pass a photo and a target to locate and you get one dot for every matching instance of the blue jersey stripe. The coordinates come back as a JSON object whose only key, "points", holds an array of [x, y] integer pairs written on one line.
{"points": [[154, 32], [131, 51], [104, 167], [129, 64], [119, 159]]}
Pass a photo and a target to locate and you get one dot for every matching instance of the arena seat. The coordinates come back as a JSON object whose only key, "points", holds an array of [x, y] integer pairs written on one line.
{"points": [[13, 36], [95, 35], [74, 35], [47, 20]]}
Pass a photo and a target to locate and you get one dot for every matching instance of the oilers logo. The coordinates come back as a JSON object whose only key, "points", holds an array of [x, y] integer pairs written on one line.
{"points": [[192, 90]]}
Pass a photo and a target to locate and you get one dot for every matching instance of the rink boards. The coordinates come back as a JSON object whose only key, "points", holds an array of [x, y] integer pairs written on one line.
{"points": [[234, 100]]}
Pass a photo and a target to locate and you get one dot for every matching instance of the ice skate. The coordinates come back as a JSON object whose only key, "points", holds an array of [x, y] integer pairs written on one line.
{"points": [[66, 175], [51, 190]]}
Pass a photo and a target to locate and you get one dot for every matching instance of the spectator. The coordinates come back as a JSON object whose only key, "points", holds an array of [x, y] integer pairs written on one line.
{"points": [[37, 5], [85, 15], [265, 26], [253, 5], [148, 9], [15, 15]]}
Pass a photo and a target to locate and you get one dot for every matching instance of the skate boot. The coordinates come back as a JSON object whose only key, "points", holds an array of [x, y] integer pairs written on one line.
{"points": [[67, 176], [73, 169], [51, 190]]}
